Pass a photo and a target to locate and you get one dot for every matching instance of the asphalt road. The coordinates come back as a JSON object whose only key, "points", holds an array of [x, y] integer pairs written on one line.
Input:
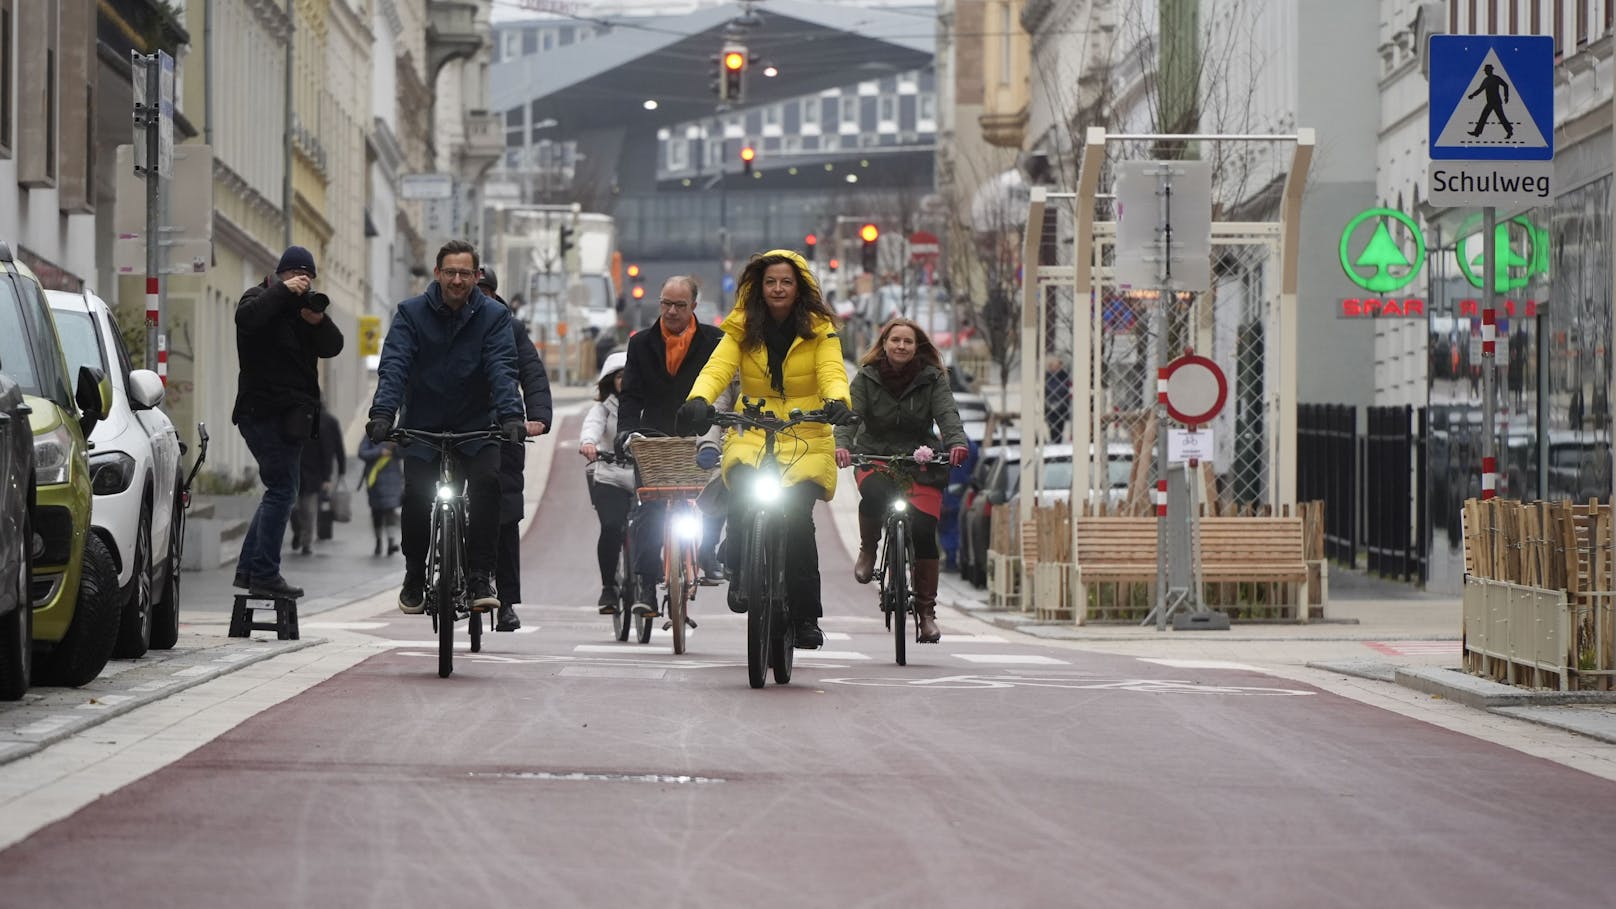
{"points": [[561, 768]]}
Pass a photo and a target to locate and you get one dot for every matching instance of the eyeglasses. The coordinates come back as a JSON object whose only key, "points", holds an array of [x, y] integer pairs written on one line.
{"points": [[460, 273], [673, 304]]}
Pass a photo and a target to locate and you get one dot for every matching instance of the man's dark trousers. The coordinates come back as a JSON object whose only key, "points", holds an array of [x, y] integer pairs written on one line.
{"points": [[278, 463], [481, 473]]}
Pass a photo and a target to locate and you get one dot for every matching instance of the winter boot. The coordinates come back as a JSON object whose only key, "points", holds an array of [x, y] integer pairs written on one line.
{"points": [[869, 541], [926, 600]]}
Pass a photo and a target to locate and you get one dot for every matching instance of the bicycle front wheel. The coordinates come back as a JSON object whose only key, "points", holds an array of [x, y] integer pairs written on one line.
{"points": [[623, 620], [448, 573], [678, 557], [783, 641], [897, 583], [759, 611]]}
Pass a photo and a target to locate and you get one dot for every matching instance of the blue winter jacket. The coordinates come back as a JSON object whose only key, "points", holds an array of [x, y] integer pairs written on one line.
{"points": [[446, 371]]}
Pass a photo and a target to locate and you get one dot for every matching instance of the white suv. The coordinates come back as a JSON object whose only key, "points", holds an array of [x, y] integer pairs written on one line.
{"points": [[134, 473]]}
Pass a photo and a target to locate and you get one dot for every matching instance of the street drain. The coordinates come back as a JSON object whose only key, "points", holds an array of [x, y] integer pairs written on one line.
{"points": [[578, 777]]}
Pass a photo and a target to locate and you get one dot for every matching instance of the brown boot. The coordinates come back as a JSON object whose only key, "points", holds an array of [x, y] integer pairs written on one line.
{"points": [[869, 540], [926, 600]]}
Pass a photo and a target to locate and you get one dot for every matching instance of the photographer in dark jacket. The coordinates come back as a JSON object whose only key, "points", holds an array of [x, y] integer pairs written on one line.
{"points": [[449, 365], [663, 363], [513, 459], [282, 333]]}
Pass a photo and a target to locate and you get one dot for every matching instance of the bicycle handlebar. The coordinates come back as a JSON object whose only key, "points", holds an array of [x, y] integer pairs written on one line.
{"points": [[866, 460], [768, 422], [443, 440]]}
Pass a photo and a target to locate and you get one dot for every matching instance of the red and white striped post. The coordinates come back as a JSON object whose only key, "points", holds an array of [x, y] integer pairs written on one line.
{"points": [[1489, 350]]}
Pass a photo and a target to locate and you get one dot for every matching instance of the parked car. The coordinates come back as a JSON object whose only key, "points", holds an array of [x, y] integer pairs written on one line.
{"points": [[134, 473], [16, 537], [74, 581], [1057, 474], [998, 469]]}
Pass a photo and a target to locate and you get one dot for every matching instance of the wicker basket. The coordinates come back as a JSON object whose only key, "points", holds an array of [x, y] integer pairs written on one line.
{"points": [[668, 462]]}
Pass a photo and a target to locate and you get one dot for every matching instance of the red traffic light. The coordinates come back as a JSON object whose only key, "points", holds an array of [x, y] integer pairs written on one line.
{"points": [[633, 271], [638, 292], [748, 153], [869, 233], [810, 240], [734, 61], [835, 264]]}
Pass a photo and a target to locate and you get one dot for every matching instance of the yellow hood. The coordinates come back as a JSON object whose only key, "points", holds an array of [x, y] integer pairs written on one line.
{"points": [[735, 323]]}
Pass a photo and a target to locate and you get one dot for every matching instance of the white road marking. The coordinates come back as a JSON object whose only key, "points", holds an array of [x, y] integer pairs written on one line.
{"points": [[1009, 659], [830, 655], [609, 648], [343, 626], [1201, 664], [973, 639], [837, 636]]}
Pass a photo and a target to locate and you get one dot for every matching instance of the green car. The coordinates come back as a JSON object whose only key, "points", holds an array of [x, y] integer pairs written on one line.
{"points": [[76, 610]]}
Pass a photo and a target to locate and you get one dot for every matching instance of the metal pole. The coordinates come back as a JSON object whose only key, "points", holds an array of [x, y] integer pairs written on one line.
{"points": [[1166, 271], [1489, 328], [154, 222], [286, 136]]}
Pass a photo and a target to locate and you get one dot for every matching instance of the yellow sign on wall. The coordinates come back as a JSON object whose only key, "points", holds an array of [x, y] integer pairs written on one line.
{"points": [[370, 336]]}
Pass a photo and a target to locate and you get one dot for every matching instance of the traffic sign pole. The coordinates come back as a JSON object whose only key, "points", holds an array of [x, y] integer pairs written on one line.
{"points": [[1489, 353]]}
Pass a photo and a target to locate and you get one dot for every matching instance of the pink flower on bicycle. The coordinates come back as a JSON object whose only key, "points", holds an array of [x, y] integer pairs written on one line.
{"points": [[924, 454]]}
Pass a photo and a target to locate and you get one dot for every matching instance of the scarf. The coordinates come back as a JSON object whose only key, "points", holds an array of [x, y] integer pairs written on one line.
{"points": [[897, 379], [777, 339], [678, 345]]}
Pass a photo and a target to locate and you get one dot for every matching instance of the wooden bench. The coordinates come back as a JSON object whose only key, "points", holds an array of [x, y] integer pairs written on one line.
{"points": [[1264, 550], [1122, 550]]}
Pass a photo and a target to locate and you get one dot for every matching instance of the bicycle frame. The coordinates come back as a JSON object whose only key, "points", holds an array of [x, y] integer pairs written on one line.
{"points": [[896, 587]]}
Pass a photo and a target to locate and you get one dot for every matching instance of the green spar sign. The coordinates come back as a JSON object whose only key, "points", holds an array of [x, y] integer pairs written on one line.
{"points": [[1382, 264]]}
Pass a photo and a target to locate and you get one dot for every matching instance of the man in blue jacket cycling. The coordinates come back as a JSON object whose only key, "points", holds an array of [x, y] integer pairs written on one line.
{"points": [[448, 364]]}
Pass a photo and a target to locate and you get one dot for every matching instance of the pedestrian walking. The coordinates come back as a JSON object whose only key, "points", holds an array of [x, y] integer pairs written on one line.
{"points": [[383, 481], [322, 466], [282, 332]]}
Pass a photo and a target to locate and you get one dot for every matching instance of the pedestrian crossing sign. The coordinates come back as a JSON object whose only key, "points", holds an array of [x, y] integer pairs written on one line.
{"points": [[1492, 98]]}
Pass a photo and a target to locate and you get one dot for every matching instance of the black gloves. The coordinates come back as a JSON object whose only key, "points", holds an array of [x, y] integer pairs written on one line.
{"points": [[378, 428], [695, 417], [513, 430], [620, 443], [840, 414]]}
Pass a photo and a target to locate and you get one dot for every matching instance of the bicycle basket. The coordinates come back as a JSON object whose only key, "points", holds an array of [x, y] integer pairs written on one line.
{"points": [[668, 462]]}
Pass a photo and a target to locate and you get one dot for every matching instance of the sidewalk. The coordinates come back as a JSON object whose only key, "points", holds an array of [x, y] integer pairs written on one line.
{"points": [[1373, 629]]}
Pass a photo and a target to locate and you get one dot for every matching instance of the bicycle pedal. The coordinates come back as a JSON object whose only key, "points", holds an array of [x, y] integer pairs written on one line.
{"points": [[690, 621], [667, 624]]}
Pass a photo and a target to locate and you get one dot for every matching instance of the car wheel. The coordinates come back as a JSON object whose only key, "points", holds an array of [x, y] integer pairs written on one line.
{"points": [[165, 632], [87, 646], [17, 628], [135, 624]]}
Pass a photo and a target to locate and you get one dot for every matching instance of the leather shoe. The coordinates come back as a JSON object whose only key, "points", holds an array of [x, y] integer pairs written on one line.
{"points": [[483, 595], [645, 601], [240, 580], [507, 618], [608, 601], [275, 587], [737, 603], [412, 596], [808, 636], [864, 568]]}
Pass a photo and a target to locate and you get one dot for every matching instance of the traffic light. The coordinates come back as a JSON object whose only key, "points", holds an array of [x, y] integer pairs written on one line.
{"points": [[748, 153], [638, 292], [810, 245], [732, 77], [566, 240], [637, 282], [870, 234], [835, 264]]}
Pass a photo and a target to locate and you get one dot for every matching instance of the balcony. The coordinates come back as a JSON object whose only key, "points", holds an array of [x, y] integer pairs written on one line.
{"points": [[451, 33], [1004, 130], [485, 140]]}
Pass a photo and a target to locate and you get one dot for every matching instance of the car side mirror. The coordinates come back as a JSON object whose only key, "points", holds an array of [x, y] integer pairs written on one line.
{"points": [[146, 391], [94, 398]]}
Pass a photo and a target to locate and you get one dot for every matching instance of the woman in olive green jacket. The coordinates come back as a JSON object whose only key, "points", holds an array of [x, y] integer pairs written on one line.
{"points": [[901, 393]]}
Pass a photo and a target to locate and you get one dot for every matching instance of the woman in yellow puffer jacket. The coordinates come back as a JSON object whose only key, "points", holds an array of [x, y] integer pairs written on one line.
{"points": [[781, 337]]}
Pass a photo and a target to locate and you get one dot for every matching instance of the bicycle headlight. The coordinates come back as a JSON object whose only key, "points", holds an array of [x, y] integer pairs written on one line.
{"points": [[111, 472], [53, 456], [445, 493], [766, 488], [687, 527], [900, 505]]}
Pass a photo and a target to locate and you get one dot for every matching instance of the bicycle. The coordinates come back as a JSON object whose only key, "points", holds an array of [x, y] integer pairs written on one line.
{"points": [[896, 565], [668, 472], [770, 637], [446, 588]]}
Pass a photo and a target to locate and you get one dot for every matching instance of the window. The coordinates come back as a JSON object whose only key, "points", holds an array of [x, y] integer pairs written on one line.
{"points": [[678, 154], [889, 109], [928, 107], [530, 41], [79, 342], [5, 78], [771, 115], [849, 113], [810, 111]]}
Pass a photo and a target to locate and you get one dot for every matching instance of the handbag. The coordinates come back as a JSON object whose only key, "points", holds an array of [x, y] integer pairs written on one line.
{"points": [[341, 504]]}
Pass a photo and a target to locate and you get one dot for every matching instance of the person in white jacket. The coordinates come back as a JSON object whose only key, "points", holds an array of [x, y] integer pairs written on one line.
{"points": [[611, 486]]}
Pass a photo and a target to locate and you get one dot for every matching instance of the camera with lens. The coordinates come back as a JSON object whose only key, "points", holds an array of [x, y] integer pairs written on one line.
{"points": [[316, 302]]}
